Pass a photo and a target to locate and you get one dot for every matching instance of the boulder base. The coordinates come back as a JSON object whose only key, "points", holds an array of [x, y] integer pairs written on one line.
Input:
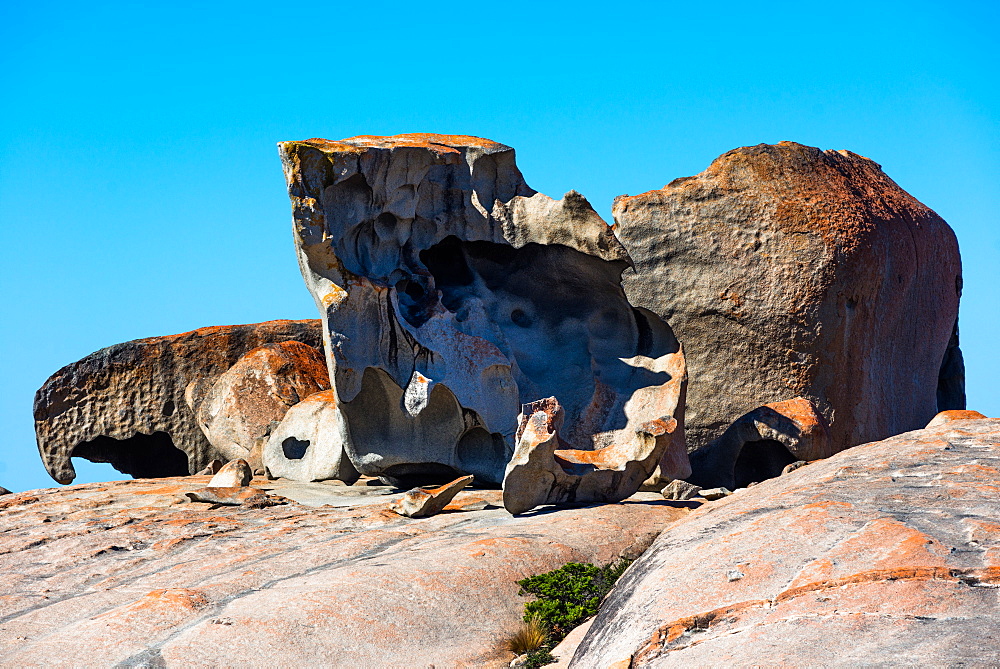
{"points": [[125, 572], [887, 553]]}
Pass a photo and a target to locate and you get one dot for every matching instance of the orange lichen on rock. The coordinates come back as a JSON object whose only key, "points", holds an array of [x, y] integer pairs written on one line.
{"points": [[954, 414], [124, 583], [437, 143], [131, 404], [790, 271], [864, 544]]}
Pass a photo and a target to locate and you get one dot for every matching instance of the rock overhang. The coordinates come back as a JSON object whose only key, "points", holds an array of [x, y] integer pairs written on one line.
{"points": [[449, 287]]}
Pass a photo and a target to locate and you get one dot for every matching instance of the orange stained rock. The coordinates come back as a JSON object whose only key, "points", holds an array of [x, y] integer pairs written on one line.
{"points": [[883, 544], [616, 455], [954, 414], [822, 200], [440, 144], [183, 598]]}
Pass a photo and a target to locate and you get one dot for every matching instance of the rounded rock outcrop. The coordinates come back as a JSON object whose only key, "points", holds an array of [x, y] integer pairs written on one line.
{"points": [[790, 271]]}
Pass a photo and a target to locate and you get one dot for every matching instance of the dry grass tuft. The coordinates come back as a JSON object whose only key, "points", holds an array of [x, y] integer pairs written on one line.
{"points": [[530, 636]]}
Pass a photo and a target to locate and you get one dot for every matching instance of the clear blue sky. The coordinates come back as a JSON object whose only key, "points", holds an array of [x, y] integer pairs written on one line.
{"points": [[141, 193]]}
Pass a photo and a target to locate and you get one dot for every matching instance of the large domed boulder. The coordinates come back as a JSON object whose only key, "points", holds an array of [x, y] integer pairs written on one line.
{"points": [[787, 271], [237, 412], [131, 404]]}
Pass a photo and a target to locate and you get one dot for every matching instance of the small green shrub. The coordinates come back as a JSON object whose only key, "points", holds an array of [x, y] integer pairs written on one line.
{"points": [[538, 658], [569, 595], [565, 598]]}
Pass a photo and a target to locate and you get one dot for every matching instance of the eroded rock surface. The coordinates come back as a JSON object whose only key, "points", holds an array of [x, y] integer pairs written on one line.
{"points": [[761, 443], [787, 271], [887, 553], [423, 502], [237, 412], [452, 293], [232, 475], [126, 404], [543, 471], [308, 443], [102, 574]]}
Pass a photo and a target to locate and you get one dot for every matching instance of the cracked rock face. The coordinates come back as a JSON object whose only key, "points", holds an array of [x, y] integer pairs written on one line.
{"points": [[131, 404], [452, 293], [888, 552], [787, 271]]}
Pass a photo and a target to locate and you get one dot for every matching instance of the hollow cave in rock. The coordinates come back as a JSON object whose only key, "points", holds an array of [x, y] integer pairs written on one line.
{"points": [[561, 314], [761, 460], [139, 456], [294, 449]]}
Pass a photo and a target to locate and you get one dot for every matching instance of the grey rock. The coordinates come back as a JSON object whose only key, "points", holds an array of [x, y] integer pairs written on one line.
{"points": [[712, 494], [680, 490], [4, 491], [423, 502], [544, 471], [452, 293], [790, 271], [308, 443]]}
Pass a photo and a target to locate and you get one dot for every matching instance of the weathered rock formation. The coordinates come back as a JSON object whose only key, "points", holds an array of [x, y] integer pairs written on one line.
{"points": [[423, 502], [308, 443], [235, 474], [236, 413], [955, 414], [126, 404], [760, 444], [232, 496], [887, 553], [452, 293], [543, 471], [788, 271], [122, 573]]}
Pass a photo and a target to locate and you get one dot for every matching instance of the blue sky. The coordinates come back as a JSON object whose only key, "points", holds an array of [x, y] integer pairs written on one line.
{"points": [[141, 193]]}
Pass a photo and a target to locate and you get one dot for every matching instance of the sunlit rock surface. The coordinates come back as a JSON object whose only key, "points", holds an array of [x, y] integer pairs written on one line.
{"points": [[884, 554], [126, 572], [452, 293], [130, 404], [237, 412], [422, 502], [787, 271], [308, 443], [543, 471]]}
